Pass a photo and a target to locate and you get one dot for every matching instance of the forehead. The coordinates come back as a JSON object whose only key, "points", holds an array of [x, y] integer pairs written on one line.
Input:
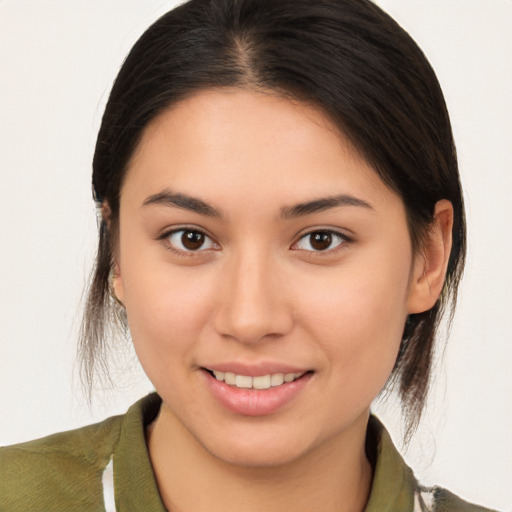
{"points": [[227, 142]]}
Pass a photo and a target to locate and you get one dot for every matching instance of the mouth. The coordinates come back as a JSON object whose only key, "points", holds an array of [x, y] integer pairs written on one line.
{"points": [[257, 394], [259, 382]]}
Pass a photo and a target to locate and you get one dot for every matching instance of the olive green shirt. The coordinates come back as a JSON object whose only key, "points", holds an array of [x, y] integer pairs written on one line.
{"points": [[105, 467]]}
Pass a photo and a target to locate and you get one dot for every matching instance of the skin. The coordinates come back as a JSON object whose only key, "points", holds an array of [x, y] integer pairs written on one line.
{"points": [[257, 292]]}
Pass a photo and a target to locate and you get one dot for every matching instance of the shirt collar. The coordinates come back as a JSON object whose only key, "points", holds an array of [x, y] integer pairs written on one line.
{"points": [[134, 481], [392, 489], [393, 485]]}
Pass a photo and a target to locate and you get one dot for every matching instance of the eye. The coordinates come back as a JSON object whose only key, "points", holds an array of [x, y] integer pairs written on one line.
{"points": [[320, 241], [189, 240]]}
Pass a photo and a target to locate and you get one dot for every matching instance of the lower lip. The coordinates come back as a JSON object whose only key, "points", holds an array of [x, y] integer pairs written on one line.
{"points": [[255, 402]]}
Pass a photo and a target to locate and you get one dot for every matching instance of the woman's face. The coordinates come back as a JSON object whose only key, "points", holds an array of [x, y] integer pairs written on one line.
{"points": [[257, 245]]}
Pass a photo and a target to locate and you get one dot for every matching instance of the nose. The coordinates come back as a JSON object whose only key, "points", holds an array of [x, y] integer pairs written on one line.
{"points": [[252, 303]]}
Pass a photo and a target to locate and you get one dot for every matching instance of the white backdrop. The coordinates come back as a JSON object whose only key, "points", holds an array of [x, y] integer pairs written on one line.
{"points": [[57, 63]]}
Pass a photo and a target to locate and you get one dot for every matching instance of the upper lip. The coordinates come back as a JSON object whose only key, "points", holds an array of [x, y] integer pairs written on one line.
{"points": [[255, 369]]}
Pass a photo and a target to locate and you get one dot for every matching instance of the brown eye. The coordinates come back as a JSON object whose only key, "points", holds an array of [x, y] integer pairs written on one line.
{"points": [[190, 240], [320, 241]]}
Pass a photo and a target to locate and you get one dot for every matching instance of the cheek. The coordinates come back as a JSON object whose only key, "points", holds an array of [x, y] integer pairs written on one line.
{"points": [[357, 318], [166, 311], [352, 300]]}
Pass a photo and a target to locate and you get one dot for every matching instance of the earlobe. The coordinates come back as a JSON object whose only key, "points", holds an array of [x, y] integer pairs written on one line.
{"points": [[115, 282], [116, 285], [106, 213], [431, 261]]}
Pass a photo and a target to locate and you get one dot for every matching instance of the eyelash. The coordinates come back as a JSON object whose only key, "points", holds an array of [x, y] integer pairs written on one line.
{"points": [[166, 237], [341, 238]]}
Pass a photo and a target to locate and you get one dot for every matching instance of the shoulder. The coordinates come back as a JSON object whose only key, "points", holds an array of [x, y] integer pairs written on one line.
{"points": [[52, 473], [395, 487], [437, 499]]}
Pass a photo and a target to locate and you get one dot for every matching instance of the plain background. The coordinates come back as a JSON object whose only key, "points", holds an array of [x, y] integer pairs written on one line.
{"points": [[57, 62]]}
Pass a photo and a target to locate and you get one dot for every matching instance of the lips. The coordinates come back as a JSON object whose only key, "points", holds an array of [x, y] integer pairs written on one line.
{"points": [[252, 391]]}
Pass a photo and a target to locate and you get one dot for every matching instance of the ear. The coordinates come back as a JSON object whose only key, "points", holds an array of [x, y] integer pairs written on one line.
{"points": [[431, 262], [106, 213], [116, 284], [116, 281]]}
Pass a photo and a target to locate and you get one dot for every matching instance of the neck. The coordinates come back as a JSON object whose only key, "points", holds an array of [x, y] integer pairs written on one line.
{"points": [[334, 477]]}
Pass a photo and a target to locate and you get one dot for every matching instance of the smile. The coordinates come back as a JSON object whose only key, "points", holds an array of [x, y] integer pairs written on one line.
{"points": [[256, 394], [259, 382]]}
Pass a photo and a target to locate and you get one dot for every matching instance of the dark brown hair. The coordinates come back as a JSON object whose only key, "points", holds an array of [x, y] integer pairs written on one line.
{"points": [[346, 57]]}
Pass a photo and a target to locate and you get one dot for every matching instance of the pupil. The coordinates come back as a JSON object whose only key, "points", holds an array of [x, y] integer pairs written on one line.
{"points": [[321, 241], [192, 240]]}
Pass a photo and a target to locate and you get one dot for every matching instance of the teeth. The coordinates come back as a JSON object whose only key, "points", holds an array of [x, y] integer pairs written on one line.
{"points": [[289, 377], [277, 379], [260, 382], [229, 378], [242, 381]]}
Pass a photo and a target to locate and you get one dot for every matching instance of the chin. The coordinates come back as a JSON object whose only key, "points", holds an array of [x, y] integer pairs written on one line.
{"points": [[257, 456]]}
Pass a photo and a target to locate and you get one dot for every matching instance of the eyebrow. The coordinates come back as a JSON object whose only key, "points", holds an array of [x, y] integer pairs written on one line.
{"points": [[322, 204], [194, 204], [184, 201]]}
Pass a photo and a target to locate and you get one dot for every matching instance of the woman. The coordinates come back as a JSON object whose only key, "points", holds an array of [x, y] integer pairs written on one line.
{"points": [[282, 227]]}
